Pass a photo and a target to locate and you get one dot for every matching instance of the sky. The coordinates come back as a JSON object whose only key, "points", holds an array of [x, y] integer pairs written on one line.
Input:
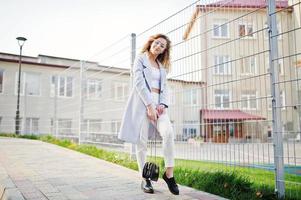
{"points": [[77, 28]]}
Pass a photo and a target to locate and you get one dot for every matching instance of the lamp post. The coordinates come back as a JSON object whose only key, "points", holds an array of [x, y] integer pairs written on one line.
{"points": [[21, 41]]}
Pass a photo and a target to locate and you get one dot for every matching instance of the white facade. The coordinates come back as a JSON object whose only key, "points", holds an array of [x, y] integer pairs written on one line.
{"points": [[68, 92], [235, 63]]}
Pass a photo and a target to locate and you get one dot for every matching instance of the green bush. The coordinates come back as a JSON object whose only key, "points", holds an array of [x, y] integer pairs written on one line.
{"points": [[229, 185], [8, 135], [32, 137]]}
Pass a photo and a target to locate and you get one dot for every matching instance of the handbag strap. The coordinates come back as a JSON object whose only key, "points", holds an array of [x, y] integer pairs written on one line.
{"points": [[155, 132], [155, 144], [155, 140]]}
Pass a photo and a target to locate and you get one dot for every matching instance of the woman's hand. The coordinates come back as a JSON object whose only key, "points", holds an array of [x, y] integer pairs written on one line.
{"points": [[160, 109], [152, 113]]}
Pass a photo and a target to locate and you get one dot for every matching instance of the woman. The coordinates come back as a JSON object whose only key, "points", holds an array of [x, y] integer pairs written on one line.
{"points": [[145, 113]]}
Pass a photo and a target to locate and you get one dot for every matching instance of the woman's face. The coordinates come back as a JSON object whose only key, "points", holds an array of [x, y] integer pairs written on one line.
{"points": [[158, 46]]}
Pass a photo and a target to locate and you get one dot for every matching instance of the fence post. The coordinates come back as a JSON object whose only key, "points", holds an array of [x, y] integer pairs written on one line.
{"points": [[24, 125], [276, 106], [133, 55], [55, 119], [81, 101]]}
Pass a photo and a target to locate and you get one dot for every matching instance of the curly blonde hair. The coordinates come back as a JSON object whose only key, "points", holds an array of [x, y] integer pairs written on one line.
{"points": [[164, 57]]}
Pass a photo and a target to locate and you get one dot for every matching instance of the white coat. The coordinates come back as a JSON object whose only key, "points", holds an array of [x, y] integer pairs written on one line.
{"points": [[140, 96]]}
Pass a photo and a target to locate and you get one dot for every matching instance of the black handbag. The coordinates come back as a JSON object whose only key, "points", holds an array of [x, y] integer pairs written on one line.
{"points": [[151, 170]]}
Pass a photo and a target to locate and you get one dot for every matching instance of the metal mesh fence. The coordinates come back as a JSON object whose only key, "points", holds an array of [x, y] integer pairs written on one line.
{"points": [[233, 83]]}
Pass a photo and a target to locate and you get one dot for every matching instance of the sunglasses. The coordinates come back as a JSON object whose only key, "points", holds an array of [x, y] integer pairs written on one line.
{"points": [[157, 42]]}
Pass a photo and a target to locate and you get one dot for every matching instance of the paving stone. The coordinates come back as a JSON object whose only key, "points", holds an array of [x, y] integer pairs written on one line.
{"points": [[37, 170]]}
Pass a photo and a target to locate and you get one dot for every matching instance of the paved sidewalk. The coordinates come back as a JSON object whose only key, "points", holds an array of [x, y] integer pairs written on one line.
{"points": [[35, 170]]}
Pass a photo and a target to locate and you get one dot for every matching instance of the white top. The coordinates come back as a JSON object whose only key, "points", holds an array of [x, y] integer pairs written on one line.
{"points": [[155, 78]]}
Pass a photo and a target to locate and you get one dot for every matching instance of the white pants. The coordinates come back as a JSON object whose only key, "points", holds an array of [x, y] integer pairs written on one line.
{"points": [[166, 132]]}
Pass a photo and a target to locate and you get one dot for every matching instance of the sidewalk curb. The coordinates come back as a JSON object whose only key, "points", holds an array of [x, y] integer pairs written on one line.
{"points": [[9, 193], [2, 190]]}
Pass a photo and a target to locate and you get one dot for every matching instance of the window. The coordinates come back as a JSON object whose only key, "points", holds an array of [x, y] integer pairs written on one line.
{"points": [[115, 126], [266, 34], [30, 82], [52, 127], [172, 124], [269, 132], [1, 80], [220, 30], [190, 97], [217, 128], [299, 97], [282, 101], [279, 66], [64, 86], [231, 129], [245, 30], [190, 130], [222, 65], [65, 126], [94, 87], [32, 126], [120, 91], [222, 98], [248, 100], [92, 126], [248, 65], [53, 85]]}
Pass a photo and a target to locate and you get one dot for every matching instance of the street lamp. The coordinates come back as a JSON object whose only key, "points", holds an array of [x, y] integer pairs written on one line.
{"points": [[21, 41]]}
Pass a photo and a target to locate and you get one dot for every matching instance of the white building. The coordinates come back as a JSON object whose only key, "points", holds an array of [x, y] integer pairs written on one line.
{"points": [[68, 91]]}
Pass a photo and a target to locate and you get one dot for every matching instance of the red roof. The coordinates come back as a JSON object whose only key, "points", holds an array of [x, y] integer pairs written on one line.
{"points": [[246, 4], [228, 115]]}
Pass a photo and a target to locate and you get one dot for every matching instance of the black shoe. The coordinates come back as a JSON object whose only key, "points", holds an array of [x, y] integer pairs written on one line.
{"points": [[146, 186], [172, 185]]}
